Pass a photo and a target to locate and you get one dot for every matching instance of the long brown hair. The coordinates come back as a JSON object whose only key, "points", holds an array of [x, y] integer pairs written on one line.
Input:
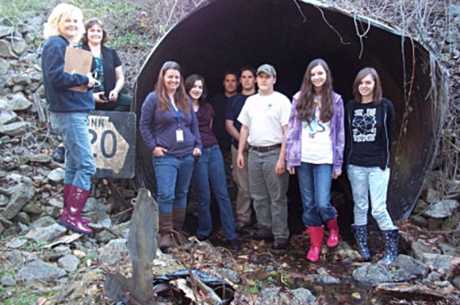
{"points": [[180, 96], [89, 24], [377, 94], [190, 83], [305, 103]]}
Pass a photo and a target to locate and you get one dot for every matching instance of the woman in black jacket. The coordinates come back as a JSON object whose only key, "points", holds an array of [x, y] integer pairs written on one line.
{"points": [[109, 93]]}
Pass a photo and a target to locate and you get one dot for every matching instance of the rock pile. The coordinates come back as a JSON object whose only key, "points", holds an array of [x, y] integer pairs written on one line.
{"points": [[34, 248], [49, 264]]}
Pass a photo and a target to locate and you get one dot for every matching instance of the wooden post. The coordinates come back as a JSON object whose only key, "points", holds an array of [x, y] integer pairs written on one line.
{"points": [[142, 248], [142, 245]]}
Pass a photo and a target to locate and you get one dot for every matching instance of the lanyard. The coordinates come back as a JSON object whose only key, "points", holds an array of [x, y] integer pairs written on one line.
{"points": [[177, 113]]}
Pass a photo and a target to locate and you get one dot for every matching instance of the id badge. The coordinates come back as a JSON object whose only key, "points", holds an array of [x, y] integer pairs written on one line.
{"points": [[179, 135]]}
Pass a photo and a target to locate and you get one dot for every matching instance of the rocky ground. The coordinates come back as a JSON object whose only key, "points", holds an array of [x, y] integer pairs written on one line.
{"points": [[43, 263]]}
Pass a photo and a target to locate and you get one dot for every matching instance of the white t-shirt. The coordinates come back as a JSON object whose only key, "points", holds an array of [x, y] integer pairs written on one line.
{"points": [[316, 141], [265, 116]]}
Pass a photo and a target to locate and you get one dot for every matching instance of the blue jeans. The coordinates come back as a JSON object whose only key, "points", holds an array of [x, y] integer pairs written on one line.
{"points": [[173, 177], [80, 165], [373, 181], [209, 172], [315, 189]]}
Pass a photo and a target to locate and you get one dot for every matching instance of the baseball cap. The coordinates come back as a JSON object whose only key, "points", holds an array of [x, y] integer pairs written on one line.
{"points": [[267, 69]]}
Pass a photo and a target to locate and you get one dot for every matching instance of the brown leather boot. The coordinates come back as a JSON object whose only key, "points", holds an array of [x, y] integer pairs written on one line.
{"points": [[179, 215], [179, 219], [166, 239]]}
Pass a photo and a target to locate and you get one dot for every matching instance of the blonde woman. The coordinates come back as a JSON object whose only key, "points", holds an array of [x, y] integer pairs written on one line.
{"points": [[69, 111]]}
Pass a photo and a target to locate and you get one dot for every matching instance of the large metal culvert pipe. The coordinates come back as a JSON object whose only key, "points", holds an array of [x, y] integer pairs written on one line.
{"points": [[227, 34]]}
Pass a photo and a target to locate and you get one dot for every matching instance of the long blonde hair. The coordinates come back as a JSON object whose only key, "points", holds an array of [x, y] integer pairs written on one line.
{"points": [[51, 27]]}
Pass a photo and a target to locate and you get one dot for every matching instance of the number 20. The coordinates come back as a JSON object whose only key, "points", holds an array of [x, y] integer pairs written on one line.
{"points": [[107, 152]]}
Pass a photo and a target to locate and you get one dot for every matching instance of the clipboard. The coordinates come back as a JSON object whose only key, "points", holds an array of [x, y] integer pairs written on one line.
{"points": [[78, 61]]}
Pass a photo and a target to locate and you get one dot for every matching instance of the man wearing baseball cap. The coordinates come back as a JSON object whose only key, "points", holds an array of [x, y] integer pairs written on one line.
{"points": [[264, 120]]}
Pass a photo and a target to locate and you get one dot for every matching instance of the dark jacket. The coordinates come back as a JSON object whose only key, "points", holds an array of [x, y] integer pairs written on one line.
{"points": [[58, 83], [110, 61], [368, 155], [158, 128]]}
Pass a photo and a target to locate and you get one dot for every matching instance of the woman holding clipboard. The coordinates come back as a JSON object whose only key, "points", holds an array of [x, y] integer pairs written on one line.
{"points": [[69, 107]]}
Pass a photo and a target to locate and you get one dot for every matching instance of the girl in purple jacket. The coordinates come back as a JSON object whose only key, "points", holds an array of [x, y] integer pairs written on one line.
{"points": [[315, 142]]}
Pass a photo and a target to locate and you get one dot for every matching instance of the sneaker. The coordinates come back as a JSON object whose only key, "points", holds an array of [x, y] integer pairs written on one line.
{"points": [[280, 244], [234, 244]]}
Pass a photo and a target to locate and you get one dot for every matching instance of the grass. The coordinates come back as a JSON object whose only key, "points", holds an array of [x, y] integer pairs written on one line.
{"points": [[22, 298], [102, 8], [120, 14], [253, 286], [21, 295], [15, 11], [33, 246], [90, 256], [15, 295], [7, 272], [129, 38]]}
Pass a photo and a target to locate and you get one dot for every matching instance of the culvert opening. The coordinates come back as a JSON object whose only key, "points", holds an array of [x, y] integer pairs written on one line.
{"points": [[227, 34]]}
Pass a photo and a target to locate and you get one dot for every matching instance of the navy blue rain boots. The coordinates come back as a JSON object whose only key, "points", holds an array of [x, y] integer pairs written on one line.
{"points": [[360, 233], [391, 246]]}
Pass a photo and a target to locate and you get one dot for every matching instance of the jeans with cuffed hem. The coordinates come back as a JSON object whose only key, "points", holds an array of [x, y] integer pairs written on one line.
{"points": [[315, 189], [209, 174], [268, 191], [173, 175], [80, 165], [373, 181]]}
